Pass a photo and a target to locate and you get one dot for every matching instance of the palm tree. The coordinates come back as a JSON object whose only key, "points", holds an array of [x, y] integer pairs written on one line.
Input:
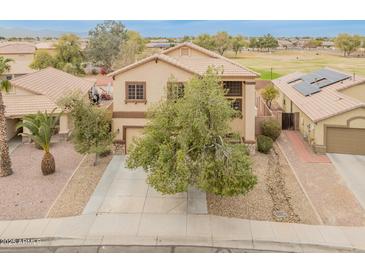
{"points": [[42, 127], [5, 162]]}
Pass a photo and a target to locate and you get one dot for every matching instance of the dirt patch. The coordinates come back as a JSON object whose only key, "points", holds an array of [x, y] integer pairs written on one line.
{"points": [[81, 186], [276, 197], [27, 194]]}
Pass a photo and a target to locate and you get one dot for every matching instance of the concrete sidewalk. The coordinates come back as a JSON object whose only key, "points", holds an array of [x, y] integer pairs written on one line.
{"points": [[174, 229]]}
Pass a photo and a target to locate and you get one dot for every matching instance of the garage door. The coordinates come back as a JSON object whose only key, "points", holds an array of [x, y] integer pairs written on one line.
{"points": [[132, 133], [346, 140]]}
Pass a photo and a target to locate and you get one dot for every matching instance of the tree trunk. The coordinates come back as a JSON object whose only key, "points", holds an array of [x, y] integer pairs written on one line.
{"points": [[96, 159], [5, 162], [48, 164]]}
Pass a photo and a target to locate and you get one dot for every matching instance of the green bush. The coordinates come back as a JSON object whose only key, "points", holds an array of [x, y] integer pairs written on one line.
{"points": [[264, 144], [271, 128]]}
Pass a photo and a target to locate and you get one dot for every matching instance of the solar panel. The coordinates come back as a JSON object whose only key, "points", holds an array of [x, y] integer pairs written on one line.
{"points": [[306, 89], [313, 82]]}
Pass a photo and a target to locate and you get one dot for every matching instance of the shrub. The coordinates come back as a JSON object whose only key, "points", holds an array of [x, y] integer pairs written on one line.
{"points": [[264, 144], [271, 128]]}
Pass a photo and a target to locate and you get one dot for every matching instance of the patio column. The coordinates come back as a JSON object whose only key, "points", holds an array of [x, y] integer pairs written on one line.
{"points": [[249, 111]]}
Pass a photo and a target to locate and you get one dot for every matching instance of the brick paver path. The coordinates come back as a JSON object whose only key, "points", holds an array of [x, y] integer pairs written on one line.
{"points": [[330, 196]]}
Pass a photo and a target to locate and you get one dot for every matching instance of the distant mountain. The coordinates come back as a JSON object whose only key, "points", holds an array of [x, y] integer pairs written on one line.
{"points": [[24, 32]]}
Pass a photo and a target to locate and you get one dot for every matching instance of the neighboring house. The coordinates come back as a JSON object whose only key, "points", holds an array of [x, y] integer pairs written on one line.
{"points": [[142, 84], [327, 106], [22, 54], [41, 91]]}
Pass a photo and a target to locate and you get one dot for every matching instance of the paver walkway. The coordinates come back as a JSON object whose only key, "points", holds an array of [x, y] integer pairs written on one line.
{"points": [[332, 199], [302, 148]]}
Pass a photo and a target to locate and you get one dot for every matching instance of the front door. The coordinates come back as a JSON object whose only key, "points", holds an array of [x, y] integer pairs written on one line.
{"points": [[288, 120]]}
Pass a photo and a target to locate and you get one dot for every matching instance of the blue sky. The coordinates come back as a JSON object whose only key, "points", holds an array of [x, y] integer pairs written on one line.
{"points": [[175, 28]]}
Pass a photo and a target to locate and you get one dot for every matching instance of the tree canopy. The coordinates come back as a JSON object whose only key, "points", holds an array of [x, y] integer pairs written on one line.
{"points": [[269, 94], [130, 49], [222, 42], [348, 43], [68, 56], [206, 41], [42, 59], [105, 42], [186, 142], [237, 43], [92, 128]]}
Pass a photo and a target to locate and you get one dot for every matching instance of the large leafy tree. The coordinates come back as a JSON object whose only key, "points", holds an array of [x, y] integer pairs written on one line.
{"points": [[348, 43], [105, 43], [222, 42], [131, 49], [42, 60], [92, 127], [42, 127], [238, 42], [185, 142], [5, 162], [205, 41], [68, 54], [269, 94]]}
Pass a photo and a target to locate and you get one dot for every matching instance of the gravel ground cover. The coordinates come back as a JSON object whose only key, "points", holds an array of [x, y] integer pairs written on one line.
{"points": [[77, 193], [28, 194], [276, 197]]}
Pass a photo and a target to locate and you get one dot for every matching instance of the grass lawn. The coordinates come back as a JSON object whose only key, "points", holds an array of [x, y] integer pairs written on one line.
{"points": [[287, 61]]}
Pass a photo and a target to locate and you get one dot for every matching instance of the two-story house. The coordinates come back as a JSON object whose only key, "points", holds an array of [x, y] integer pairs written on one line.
{"points": [[141, 84]]}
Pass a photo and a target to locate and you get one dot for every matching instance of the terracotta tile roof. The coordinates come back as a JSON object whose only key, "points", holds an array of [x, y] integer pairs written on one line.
{"points": [[238, 69], [46, 45], [19, 105], [324, 104], [195, 65], [17, 48], [47, 87], [53, 83], [155, 57]]}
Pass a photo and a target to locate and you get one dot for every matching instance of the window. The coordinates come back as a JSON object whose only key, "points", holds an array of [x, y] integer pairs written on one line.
{"points": [[136, 91], [236, 104], [175, 89], [184, 51], [234, 88]]}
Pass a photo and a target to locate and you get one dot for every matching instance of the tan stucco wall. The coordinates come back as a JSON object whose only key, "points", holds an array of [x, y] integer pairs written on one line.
{"points": [[65, 123], [357, 92], [11, 128], [156, 75], [20, 64], [340, 120]]}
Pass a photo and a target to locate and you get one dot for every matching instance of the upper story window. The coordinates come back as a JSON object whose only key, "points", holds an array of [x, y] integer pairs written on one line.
{"points": [[234, 88], [135, 91], [175, 89], [185, 51]]}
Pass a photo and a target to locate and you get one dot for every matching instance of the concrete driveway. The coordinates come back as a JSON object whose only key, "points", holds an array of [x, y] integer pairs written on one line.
{"points": [[125, 191], [352, 169]]}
